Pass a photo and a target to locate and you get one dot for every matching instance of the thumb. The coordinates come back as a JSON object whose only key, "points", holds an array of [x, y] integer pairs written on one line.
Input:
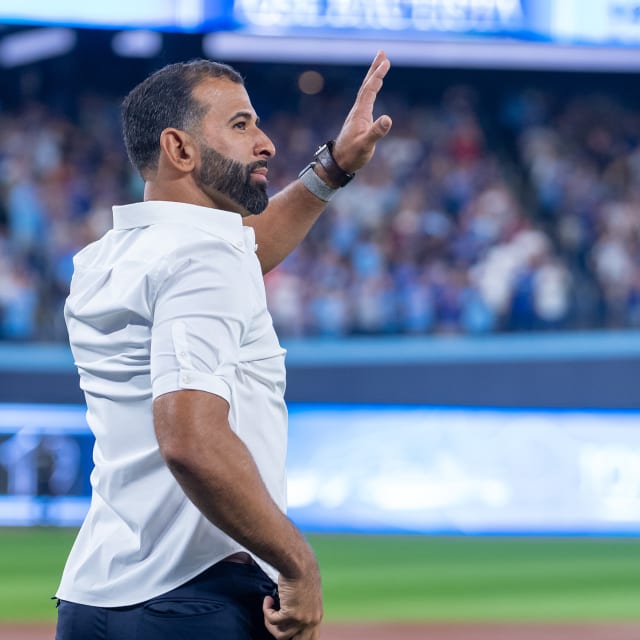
{"points": [[268, 604], [381, 127], [272, 616]]}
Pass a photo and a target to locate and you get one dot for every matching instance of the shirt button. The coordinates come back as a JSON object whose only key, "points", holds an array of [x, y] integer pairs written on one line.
{"points": [[186, 378]]}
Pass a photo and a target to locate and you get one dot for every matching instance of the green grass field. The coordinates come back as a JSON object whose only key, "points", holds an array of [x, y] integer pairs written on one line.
{"points": [[409, 578]]}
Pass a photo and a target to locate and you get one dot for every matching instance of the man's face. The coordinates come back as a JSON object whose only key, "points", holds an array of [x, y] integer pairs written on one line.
{"points": [[233, 149]]}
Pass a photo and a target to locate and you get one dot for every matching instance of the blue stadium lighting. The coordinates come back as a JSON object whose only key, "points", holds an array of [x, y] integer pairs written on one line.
{"points": [[141, 43], [34, 45], [187, 15], [516, 34]]}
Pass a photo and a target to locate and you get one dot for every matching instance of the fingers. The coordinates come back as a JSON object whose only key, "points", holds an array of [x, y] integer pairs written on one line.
{"points": [[380, 58], [275, 622], [299, 614], [372, 82], [282, 634], [268, 604], [355, 144], [365, 99]]}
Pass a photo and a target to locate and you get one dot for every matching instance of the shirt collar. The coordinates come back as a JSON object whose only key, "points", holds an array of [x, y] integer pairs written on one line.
{"points": [[217, 222]]}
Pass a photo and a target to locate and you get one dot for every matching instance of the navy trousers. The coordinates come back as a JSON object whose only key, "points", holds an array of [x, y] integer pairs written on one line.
{"points": [[222, 603]]}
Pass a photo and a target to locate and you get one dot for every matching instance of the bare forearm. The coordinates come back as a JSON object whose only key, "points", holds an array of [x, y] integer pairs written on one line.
{"points": [[234, 498], [292, 212], [218, 474], [284, 223]]}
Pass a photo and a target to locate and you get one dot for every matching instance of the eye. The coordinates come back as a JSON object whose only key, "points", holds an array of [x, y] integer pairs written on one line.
{"points": [[242, 125]]}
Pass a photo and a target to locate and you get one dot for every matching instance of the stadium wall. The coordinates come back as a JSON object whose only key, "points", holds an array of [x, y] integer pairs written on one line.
{"points": [[577, 370]]}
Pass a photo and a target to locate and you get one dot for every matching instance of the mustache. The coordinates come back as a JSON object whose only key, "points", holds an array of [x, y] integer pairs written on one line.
{"points": [[258, 164]]}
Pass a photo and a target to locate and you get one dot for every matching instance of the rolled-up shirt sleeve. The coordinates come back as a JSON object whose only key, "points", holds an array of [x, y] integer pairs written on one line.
{"points": [[199, 318]]}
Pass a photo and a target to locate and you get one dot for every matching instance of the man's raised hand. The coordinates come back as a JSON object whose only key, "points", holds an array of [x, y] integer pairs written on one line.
{"points": [[357, 139]]}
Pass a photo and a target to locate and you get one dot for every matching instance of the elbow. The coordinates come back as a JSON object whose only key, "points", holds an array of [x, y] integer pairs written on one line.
{"points": [[177, 448], [178, 457]]}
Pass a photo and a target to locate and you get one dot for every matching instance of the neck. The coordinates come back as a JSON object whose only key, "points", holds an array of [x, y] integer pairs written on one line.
{"points": [[189, 194]]}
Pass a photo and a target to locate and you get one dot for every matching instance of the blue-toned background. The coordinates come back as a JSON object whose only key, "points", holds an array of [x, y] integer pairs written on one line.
{"points": [[382, 468], [596, 22], [485, 262]]}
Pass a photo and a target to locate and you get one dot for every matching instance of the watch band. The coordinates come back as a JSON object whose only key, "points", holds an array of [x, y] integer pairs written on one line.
{"points": [[337, 175], [315, 184]]}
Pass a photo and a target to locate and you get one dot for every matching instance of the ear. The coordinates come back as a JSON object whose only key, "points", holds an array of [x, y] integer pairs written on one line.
{"points": [[178, 149]]}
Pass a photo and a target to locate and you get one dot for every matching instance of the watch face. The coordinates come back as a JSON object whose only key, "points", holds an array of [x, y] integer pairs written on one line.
{"points": [[321, 148]]}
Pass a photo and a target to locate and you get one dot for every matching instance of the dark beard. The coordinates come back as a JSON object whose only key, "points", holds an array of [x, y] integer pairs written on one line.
{"points": [[232, 179]]}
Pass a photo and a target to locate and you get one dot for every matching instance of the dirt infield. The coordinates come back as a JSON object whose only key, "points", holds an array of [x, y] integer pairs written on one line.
{"points": [[420, 632]]}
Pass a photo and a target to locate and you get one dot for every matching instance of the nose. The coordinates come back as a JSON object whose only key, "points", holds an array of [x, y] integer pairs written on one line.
{"points": [[264, 146]]}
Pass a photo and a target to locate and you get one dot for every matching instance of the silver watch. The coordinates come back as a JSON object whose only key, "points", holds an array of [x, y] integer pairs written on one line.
{"points": [[315, 184]]}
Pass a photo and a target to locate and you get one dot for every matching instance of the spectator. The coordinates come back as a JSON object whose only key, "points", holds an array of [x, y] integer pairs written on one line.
{"points": [[470, 219]]}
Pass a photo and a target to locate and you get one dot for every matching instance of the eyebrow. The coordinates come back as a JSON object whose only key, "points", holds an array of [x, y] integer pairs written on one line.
{"points": [[243, 114]]}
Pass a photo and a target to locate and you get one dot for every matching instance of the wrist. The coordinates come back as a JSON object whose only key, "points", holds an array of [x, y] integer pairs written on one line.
{"points": [[301, 561], [336, 176], [315, 183], [324, 176]]}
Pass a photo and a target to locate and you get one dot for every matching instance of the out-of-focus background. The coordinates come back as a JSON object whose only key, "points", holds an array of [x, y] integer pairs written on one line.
{"points": [[463, 322]]}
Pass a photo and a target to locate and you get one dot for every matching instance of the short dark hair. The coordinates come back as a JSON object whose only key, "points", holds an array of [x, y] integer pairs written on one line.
{"points": [[165, 99]]}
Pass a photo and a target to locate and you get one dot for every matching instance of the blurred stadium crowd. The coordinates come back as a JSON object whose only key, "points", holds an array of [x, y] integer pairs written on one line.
{"points": [[470, 219]]}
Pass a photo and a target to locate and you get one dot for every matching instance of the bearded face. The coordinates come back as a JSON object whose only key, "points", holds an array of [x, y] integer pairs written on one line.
{"points": [[233, 179]]}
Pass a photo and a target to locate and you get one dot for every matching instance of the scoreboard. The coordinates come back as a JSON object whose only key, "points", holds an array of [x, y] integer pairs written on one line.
{"points": [[596, 22]]}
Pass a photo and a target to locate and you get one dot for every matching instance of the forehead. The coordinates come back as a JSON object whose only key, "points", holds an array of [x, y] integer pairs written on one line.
{"points": [[223, 97]]}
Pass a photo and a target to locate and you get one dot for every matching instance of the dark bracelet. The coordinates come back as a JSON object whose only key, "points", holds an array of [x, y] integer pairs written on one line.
{"points": [[336, 174]]}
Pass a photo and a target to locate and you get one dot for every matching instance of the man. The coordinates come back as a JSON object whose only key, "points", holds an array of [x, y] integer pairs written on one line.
{"points": [[183, 375]]}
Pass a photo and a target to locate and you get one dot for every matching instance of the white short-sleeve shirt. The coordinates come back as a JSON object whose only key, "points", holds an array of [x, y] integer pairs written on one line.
{"points": [[171, 298]]}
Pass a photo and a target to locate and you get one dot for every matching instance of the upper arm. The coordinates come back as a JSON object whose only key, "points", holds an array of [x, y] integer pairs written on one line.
{"points": [[282, 226], [187, 420], [199, 319]]}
